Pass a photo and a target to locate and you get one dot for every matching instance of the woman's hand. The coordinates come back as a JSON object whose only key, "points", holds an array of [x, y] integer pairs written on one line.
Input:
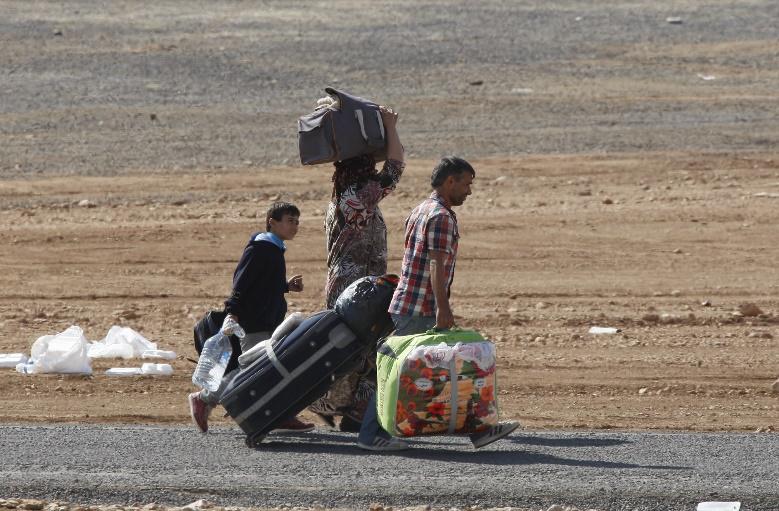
{"points": [[394, 147], [389, 117]]}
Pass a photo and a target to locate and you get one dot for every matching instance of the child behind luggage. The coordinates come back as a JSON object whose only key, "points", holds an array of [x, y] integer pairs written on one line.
{"points": [[257, 302]]}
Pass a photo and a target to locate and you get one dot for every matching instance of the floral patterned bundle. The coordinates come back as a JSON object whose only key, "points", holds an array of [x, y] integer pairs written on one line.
{"points": [[437, 382]]}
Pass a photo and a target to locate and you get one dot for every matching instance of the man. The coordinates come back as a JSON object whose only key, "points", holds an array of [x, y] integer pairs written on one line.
{"points": [[421, 300]]}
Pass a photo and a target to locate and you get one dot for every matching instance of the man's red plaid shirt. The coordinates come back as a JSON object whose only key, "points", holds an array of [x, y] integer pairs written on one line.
{"points": [[431, 226]]}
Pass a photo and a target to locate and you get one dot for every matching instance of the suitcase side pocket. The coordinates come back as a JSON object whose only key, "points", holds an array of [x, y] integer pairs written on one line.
{"points": [[315, 138]]}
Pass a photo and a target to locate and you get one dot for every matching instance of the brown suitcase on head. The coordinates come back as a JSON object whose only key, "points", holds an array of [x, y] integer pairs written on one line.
{"points": [[350, 126]]}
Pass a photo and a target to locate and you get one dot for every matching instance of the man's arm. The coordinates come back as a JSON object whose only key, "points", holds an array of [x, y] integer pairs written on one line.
{"points": [[444, 319]]}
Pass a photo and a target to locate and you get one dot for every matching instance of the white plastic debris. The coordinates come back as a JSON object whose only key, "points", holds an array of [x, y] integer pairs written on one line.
{"points": [[167, 355], [100, 350], [150, 368], [198, 504], [600, 330], [707, 78], [65, 352], [123, 371], [719, 506], [126, 335], [24, 368], [10, 360]]}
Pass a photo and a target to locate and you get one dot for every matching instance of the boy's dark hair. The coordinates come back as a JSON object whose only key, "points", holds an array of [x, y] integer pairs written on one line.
{"points": [[277, 210], [449, 166]]}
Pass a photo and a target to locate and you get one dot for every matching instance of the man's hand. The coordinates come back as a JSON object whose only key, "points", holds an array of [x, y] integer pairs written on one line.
{"points": [[444, 319], [295, 283]]}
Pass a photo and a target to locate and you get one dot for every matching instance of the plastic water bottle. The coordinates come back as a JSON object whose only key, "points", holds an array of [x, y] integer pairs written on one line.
{"points": [[213, 361]]}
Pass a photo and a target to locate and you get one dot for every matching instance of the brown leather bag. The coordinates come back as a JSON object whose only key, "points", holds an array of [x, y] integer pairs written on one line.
{"points": [[349, 126]]}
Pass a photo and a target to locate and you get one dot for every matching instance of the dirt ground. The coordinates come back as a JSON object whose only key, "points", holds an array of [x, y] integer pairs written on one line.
{"points": [[627, 177], [664, 246]]}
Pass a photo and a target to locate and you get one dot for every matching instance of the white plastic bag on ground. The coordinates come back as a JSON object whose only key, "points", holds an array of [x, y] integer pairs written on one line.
{"points": [[8, 360], [150, 368], [65, 352], [123, 335], [100, 350], [123, 371], [167, 355], [601, 330], [719, 506], [147, 369]]}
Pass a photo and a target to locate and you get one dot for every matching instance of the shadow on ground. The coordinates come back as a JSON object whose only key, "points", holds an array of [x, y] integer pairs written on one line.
{"points": [[458, 451]]}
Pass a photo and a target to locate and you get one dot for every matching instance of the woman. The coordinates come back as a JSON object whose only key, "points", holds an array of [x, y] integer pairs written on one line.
{"points": [[357, 247]]}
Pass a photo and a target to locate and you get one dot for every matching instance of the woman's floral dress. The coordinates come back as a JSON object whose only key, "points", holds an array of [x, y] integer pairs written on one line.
{"points": [[356, 247]]}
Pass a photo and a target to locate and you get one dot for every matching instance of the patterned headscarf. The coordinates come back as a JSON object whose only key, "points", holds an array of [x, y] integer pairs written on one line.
{"points": [[355, 170]]}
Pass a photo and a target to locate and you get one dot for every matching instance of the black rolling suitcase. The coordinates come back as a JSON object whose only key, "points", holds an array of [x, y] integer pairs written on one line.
{"points": [[292, 374]]}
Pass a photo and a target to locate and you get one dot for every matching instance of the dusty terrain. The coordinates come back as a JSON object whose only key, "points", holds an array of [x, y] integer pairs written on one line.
{"points": [[627, 174], [550, 246]]}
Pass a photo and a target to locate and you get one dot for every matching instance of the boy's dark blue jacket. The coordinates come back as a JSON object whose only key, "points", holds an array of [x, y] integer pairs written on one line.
{"points": [[259, 284]]}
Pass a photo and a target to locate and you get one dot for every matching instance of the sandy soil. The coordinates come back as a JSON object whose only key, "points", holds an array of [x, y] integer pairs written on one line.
{"points": [[551, 245], [627, 175]]}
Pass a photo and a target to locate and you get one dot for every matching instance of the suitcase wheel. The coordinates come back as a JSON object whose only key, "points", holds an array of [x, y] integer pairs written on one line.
{"points": [[253, 442]]}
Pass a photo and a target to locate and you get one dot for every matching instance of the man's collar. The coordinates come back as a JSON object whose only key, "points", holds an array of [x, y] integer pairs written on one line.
{"points": [[437, 197]]}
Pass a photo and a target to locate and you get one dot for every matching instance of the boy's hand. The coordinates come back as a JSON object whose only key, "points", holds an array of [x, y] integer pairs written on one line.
{"points": [[230, 326], [295, 283]]}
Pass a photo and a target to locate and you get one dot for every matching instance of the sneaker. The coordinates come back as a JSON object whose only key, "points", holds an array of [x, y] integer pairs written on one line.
{"points": [[496, 432], [384, 444], [199, 410], [294, 425]]}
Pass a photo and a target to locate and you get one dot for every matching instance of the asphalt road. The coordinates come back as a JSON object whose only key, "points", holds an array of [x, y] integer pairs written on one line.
{"points": [[176, 465]]}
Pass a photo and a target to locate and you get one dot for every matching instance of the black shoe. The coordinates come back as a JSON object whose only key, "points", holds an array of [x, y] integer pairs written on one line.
{"points": [[495, 432]]}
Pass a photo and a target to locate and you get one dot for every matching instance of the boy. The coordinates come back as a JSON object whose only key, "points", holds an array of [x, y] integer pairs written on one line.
{"points": [[257, 302]]}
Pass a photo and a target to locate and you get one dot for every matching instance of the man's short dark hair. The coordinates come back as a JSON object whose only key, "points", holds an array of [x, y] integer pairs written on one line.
{"points": [[277, 210], [449, 166]]}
